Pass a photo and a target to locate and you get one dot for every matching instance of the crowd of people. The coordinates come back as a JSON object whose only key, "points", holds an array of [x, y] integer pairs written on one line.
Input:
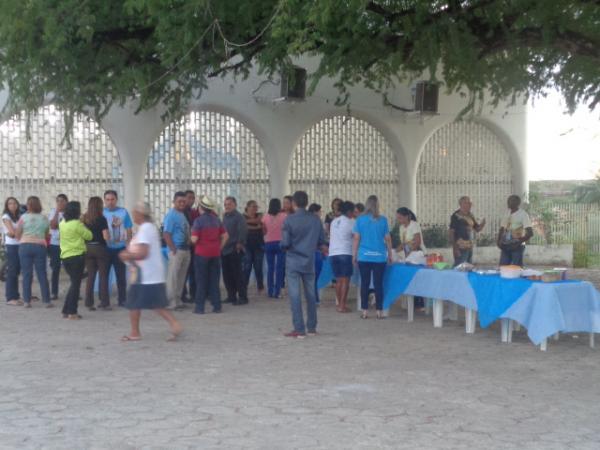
{"points": [[201, 248]]}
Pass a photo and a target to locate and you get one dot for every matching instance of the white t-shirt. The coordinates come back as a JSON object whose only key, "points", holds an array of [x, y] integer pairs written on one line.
{"points": [[407, 234], [54, 234], [340, 236], [8, 240], [152, 268], [516, 223]]}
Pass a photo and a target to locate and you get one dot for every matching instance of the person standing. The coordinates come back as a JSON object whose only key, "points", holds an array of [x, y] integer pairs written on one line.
{"points": [[316, 209], [302, 234], [147, 275], [335, 212], [32, 231], [96, 256], [73, 235], [255, 246], [120, 230], [272, 224], [191, 213], [463, 227], [340, 253], [208, 237], [371, 249], [287, 205], [515, 232], [55, 217], [233, 253], [176, 233], [10, 219]]}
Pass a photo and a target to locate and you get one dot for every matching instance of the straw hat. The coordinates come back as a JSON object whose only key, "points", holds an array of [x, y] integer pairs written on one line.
{"points": [[207, 203]]}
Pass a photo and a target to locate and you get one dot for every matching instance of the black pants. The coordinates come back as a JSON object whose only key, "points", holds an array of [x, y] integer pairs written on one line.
{"points": [[233, 276], [120, 273], [54, 256], [74, 266], [376, 270]]}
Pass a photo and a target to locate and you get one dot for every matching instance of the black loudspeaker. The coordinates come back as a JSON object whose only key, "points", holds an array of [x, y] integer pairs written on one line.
{"points": [[426, 97], [293, 84]]}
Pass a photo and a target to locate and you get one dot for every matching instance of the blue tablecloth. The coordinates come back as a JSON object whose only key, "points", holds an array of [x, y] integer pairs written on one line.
{"points": [[543, 308]]}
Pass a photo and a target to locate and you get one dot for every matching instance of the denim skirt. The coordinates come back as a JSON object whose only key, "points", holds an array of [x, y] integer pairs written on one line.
{"points": [[147, 296]]}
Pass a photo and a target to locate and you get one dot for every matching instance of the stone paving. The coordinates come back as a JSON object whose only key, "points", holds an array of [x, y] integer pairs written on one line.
{"points": [[234, 382]]}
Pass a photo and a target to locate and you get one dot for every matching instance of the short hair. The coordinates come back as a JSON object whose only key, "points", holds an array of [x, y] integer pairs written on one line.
{"points": [[72, 211], [288, 197], [463, 198], [189, 191], [515, 198], [347, 207], [178, 194], [232, 199], [314, 208], [360, 207], [300, 198], [111, 192], [274, 207], [34, 205], [407, 213], [63, 196]]}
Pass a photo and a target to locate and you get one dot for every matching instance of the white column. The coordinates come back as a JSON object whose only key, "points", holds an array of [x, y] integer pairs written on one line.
{"points": [[133, 135]]}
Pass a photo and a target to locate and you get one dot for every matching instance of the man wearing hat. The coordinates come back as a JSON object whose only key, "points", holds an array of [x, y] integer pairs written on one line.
{"points": [[208, 238]]}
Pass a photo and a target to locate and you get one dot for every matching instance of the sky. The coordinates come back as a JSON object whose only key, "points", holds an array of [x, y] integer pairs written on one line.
{"points": [[562, 146]]}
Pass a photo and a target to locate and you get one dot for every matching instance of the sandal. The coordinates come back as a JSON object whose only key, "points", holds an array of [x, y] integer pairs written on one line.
{"points": [[380, 316], [131, 338], [28, 305], [35, 299], [364, 316], [14, 302], [49, 305], [74, 317]]}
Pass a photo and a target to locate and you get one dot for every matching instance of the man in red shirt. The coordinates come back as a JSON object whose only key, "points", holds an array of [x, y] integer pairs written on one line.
{"points": [[208, 238]]}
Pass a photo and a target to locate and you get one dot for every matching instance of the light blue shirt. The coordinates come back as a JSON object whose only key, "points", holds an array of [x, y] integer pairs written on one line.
{"points": [[118, 223], [177, 225], [372, 233]]}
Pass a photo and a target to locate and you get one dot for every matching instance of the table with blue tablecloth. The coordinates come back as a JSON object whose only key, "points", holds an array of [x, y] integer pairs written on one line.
{"points": [[543, 308]]}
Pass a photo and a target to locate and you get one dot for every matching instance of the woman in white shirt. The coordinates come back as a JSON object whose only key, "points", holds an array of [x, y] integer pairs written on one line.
{"points": [[10, 218], [147, 275], [411, 238], [411, 243], [340, 253]]}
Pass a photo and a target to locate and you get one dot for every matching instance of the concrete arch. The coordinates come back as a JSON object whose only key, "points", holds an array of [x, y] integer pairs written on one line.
{"points": [[379, 127], [216, 151], [519, 173]]}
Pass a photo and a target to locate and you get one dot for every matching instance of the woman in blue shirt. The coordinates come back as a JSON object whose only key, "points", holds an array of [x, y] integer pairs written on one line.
{"points": [[371, 249]]}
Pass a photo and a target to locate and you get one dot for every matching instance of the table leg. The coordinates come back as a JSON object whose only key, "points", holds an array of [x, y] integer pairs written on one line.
{"points": [[410, 307], [470, 320], [358, 298], [592, 343], [544, 345], [428, 303], [506, 329], [438, 313]]}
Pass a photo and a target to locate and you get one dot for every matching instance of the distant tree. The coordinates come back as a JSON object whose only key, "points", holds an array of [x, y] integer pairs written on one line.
{"points": [[588, 192], [92, 54]]}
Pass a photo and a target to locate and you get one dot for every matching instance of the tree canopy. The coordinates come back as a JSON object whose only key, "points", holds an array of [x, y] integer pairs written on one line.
{"points": [[97, 52]]}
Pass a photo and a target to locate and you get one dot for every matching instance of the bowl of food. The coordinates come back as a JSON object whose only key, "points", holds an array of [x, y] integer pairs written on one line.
{"points": [[510, 272]]}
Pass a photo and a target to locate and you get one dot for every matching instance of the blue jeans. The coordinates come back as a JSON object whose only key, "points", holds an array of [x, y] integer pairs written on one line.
{"points": [[318, 268], [275, 268], [34, 256], [307, 280], [512, 256], [13, 269], [54, 256], [207, 272], [254, 259], [376, 270], [463, 256]]}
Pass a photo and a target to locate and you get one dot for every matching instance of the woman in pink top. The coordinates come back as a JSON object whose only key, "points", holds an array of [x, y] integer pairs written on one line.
{"points": [[272, 224]]}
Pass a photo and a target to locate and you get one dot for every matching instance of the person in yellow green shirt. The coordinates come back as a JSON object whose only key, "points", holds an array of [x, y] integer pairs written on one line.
{"points": [[73, 234]]}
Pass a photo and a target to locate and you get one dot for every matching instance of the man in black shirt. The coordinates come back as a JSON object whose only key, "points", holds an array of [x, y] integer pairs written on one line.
{"points": [[463, 227]]}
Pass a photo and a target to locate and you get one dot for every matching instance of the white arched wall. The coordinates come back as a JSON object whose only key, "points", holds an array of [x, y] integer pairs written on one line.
{"points": [[280, 125]]}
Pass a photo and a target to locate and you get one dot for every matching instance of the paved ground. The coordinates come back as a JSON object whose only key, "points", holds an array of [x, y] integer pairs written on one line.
{"points": [[234, 382]]}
